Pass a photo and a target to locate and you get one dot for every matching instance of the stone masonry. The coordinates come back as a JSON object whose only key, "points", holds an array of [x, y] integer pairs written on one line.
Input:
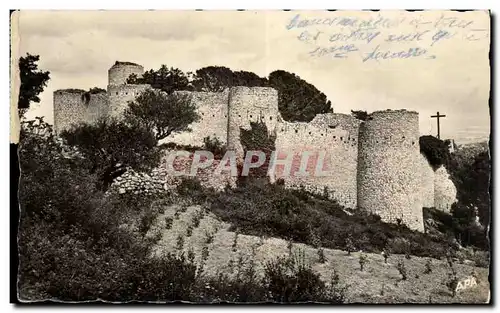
{"points": [[374, 164]]}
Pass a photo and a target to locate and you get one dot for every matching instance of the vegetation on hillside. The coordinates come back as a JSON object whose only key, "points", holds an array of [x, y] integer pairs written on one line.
{"points": [[110, 145], [435, 150], [73, 245], [79, 242]]}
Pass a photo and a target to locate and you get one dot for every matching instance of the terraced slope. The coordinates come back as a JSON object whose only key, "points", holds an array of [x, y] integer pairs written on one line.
{"points": [[201, 235]]}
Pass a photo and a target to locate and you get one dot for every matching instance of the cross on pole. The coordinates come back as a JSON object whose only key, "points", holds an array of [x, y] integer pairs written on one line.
{"points": [[437, 116]]}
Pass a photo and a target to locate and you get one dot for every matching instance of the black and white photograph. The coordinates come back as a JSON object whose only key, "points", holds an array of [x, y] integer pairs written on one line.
{"points": [[252, 156]]}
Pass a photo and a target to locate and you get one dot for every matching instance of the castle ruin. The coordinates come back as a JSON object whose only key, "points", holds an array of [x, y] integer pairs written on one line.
{"points": [[375, 164]]}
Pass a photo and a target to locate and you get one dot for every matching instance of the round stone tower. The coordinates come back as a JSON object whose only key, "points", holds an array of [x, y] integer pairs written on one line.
{"points": [[119, 92], [120, 72], [389, 168]]}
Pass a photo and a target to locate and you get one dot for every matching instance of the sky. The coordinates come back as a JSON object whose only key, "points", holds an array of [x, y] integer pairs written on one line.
{"points": [[446, 71]]}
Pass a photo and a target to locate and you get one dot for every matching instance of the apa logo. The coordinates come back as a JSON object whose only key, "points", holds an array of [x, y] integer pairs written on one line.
{"points": [[466, 283]]}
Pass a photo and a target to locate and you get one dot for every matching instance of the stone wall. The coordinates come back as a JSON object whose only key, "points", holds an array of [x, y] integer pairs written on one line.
{"points": [[120, 72], [375, 165], [427, 184], [212, 108], [120, 95], [389, 168], [445, 191], [246, 105], [72, 107], [335, 135]]}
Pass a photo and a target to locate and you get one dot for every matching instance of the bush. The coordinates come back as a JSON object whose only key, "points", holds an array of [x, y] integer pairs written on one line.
{"points": [[260, 208], [110, 142], [362, 261], [435, 150], [428, 267], [291, 280], [77, 244], [215, 146], [402, 269], [460, 225]]}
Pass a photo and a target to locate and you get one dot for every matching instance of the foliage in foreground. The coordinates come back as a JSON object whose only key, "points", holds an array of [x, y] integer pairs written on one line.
{"points": [[76, 243]]}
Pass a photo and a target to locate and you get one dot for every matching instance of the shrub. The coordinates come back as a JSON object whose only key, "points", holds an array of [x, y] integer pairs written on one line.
{"points": [[215, 146], [336, 290], [435, 150], [204, 253], [362, 260], [451, 283], [428, 267], [168, 222], [402, 269], [260, 208], [209, 237], [197, 218], [349, 245], [189, 231], [235, 243], [482, 259], [386, 253], [179, 243], [321, 255], [291, 280]]}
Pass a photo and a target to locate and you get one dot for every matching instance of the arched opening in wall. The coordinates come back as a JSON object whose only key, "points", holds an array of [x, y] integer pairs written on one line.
{"points": [[270, 118], [117, 93]]}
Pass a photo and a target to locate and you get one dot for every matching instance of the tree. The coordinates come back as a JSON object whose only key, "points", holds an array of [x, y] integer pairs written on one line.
{"points": [[435, 150], [360, 115], [298, 100], [165, 79], [163, 114], [213, 79], [473, 187], [50, 179], [111, 145], [258, 138], [249, 79], [33, 82]]}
